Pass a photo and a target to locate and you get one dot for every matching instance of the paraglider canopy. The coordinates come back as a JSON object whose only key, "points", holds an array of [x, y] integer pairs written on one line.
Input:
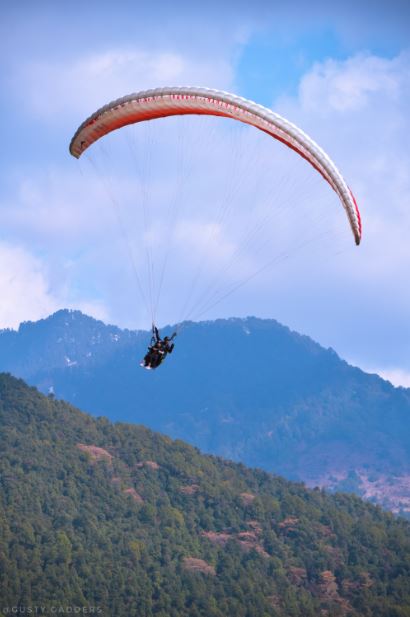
{"points": [[172, 101]]}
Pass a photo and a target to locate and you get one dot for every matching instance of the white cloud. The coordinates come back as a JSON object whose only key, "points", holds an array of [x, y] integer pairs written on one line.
{"points": [[358, 111], [27, 293], [396, 376], [24, 289], [81, 85], [56, 205], [350, 85], [206, 240]]}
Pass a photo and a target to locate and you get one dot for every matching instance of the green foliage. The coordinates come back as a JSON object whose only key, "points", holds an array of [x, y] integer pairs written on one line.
{"points": [[118, 517]]}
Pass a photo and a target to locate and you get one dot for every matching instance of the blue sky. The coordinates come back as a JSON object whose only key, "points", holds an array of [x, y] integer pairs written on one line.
{"points": [[341, 72]]}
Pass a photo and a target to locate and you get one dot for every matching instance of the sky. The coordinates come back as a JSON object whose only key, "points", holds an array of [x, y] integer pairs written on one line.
{"points": [[340, 71]]}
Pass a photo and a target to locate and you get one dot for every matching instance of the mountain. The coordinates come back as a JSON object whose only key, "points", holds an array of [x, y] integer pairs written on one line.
{"points": [[247, 389], [114, 519]]}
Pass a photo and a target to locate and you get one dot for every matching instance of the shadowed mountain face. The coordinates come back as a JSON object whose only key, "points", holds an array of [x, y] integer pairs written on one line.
{"points": [[247, 389], [115, 519]]}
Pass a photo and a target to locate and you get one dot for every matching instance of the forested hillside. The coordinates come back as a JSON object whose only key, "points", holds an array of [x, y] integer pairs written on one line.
{"points": [[118, 518], [248, 389]]}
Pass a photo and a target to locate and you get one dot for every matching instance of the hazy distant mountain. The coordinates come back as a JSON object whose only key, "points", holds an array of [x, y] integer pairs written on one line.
{"points": [[248, 389], [117, 520]]}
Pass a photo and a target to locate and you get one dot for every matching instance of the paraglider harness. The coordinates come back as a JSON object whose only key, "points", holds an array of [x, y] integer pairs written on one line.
{"points": [[158, 349]]}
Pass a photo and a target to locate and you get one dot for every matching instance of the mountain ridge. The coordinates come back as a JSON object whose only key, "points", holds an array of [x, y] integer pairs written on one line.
{"points": [[247, 389]]}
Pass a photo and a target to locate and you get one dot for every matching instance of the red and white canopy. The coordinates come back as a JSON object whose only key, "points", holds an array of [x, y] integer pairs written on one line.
{"points": [[173, 101]]}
